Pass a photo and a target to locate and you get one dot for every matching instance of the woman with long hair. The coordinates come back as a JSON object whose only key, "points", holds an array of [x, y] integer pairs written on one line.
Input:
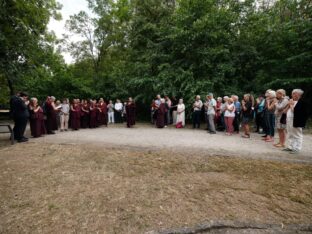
{"points": [[247, 104]]}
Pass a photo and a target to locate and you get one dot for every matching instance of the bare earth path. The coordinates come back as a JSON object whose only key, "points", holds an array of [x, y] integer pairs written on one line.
{"points": [[148, 180], [145, 136]]}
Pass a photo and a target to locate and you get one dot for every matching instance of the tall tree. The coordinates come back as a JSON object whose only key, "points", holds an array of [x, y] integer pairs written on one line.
{"points": [[23, 31]]}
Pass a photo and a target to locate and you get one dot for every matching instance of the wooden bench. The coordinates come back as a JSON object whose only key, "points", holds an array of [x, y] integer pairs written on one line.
{"points": [[10, 131], [7, 125]]}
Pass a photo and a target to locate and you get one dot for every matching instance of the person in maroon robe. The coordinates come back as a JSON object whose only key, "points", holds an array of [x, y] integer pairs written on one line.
{"points": [[130, 113], [51, 111], [162, 110], [37, 126], [102, 112], [85, 114], [93, 114], [75, 115]]}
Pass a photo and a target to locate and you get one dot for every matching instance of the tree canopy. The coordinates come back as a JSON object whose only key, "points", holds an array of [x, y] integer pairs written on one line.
{"points": [[141, 48]]}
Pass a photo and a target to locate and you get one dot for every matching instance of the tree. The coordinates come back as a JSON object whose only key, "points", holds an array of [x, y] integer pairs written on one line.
{"points": [[23, 32]]}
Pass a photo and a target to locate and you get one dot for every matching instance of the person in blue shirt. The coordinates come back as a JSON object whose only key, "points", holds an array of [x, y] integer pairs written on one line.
{"points": [[237, 113], [259, 110]]}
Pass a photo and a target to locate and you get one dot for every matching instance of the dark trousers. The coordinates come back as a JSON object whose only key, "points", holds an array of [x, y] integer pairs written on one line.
{"points": [[236, 122], [118, 117], [19, 127], [259, 121], [269, 119], [196, 119]]}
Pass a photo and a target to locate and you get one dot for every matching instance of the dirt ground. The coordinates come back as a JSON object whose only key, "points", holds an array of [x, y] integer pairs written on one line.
{"points": [[83, 182]]}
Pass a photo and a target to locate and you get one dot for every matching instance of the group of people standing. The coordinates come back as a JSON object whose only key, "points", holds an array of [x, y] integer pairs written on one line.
{"points": [[272, 111], [53, 115], [165, 111]]}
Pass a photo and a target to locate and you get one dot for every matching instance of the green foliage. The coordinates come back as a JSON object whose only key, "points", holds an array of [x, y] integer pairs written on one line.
{"points": [[141, 48]]}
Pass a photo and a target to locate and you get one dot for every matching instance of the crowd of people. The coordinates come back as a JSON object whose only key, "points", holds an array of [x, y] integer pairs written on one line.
{"points": [[274, 111], [54, 115]]}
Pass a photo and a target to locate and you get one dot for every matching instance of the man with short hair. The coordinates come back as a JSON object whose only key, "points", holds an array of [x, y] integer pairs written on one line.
{"points": [[118, 109], [211, 112], [20, 116], [296, 120], [197, 106]]}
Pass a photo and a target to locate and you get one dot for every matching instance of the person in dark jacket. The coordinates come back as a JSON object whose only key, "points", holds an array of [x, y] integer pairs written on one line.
{"points": [[20, 114], [296, 120], [130, 112]]}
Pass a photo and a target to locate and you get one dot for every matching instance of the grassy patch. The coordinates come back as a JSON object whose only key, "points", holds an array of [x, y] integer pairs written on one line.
{"points": [[89, 188]]}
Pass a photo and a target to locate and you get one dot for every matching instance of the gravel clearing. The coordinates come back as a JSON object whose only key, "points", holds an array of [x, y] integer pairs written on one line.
{"points": [[146, 137]]}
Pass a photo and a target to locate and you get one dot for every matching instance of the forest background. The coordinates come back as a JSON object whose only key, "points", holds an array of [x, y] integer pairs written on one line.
{"points": [[141, 48]]}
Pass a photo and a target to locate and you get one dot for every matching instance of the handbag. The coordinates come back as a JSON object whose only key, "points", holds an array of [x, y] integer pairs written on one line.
{"points": [[283, 118]]}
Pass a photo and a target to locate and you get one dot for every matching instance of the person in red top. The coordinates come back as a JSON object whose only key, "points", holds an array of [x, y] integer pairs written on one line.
{"points": [[161, 113], [37, 126], [75, 115], [51, 111], [93, 114], [85, 114], [102, 112]]}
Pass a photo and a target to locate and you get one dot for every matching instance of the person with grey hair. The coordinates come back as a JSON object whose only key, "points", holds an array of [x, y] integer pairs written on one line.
{"points": [[211, 112], [37, 126], [238, 108], [296, 120], [222, 110], [51, 111], [180, 114], [280, 116], [197, 107]]}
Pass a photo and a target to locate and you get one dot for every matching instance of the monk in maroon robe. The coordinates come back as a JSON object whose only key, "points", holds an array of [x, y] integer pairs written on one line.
{"points": [[161, 112], [93, 114], [75, 115], [85, 114], [102, 112], [51, 111], [37, 126], [130, 112]]}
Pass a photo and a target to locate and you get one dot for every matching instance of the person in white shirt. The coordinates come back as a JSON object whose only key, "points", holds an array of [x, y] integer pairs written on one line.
{"points": [[181, 113], [296, 121], [229, 115], [197, 107], [64, 115], [211, 112], [110, 108], [223, 109], [118, 111]]}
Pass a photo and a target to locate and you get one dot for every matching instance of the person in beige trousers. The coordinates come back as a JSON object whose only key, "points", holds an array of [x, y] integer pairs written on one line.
{"points": [[64, 114]]}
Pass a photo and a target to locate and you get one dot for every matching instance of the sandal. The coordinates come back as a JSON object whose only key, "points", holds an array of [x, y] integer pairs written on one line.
{"points": [[246, 136]]}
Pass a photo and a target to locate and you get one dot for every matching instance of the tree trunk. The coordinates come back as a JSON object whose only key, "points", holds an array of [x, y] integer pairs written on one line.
{"points": [[10, 84]]}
